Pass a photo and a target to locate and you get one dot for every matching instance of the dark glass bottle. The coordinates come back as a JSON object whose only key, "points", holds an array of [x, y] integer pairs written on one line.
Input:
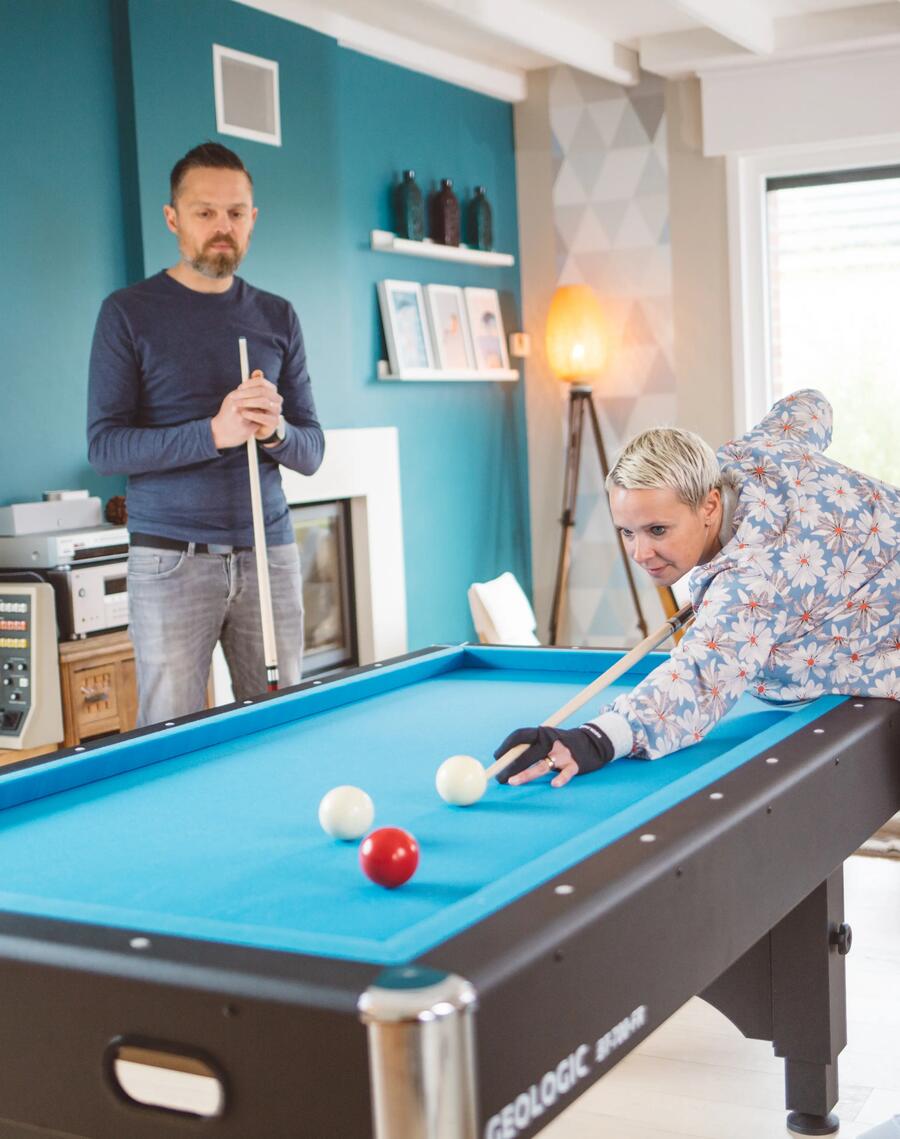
{"points": [[445, 215], [481, 224], [409, 209]]}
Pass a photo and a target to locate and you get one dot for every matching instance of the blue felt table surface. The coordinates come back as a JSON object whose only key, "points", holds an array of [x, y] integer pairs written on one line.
{"points": [[222, 841]]}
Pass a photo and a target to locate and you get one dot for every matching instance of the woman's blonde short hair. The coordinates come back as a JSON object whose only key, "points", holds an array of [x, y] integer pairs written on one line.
{"points": [[668, 457]]}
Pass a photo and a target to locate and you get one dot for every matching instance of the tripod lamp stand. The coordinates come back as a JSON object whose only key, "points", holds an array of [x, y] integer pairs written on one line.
{"points": [[575, 350]]}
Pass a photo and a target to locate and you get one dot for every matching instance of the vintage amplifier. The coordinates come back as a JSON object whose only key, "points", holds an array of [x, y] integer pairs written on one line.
{"points": [[63, 547], [87, 569], [91, 598]]}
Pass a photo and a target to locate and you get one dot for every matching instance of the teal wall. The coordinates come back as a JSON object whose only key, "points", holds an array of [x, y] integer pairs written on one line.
{"points": [[64, 232], [463, 447], [91, 221]]}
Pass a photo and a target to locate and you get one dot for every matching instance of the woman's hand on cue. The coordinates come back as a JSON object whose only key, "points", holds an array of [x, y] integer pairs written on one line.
{"points": [[566, 751]]}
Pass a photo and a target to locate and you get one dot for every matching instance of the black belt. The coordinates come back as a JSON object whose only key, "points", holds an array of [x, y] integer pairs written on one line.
{"points": [[178, 544]]}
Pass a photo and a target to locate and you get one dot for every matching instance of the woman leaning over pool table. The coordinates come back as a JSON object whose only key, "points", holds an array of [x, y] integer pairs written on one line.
{"points": [[795, 584]]}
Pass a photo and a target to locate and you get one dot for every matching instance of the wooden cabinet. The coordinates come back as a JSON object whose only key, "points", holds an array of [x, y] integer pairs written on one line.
{"points": [[99, 691], [99, 694]]}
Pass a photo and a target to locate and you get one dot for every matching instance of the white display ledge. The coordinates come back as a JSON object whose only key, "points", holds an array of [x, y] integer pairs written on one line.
{"points": [[385, 242], [384, 373]]}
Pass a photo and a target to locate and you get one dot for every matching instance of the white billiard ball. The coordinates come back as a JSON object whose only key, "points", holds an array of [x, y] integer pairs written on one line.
{"points": [[346, 812], [461, 780]]}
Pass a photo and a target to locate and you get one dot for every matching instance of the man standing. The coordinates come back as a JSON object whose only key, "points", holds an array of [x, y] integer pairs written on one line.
{"points": [[164, 409]]}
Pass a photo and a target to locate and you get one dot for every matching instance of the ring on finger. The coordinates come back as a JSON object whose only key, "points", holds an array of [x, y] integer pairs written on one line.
{"points": [[551, 764]]}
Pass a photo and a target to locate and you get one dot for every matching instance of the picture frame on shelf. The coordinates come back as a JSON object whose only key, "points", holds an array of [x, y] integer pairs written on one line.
{"points": [[406, 329], [449, 324], [486, 329]]}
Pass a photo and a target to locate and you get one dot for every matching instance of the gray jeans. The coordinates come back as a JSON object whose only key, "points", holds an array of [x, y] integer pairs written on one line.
{"points": [[181, 603]]}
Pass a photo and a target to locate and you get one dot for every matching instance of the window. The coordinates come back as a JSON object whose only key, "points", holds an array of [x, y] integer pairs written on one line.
{"points": [[833, 247]]}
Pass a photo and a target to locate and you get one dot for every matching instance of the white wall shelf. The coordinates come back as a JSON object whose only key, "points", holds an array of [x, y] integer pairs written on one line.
{"points": [[495, 374], [385, 242]]}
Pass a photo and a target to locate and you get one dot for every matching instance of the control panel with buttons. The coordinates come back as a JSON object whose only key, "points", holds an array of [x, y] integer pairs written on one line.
{"points": [[30, 708], [15, 662]]}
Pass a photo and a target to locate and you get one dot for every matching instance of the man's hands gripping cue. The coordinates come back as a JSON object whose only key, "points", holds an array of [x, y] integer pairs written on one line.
{"points": [[566, 751], [253, 409]]}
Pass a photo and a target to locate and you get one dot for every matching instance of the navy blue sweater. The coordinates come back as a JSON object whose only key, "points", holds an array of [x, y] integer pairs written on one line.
{"points": [[163, 359]]}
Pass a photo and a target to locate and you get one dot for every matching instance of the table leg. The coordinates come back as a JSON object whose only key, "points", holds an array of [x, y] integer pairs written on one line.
{"points": [[421, 1054], [810, 991], [790, 988]]}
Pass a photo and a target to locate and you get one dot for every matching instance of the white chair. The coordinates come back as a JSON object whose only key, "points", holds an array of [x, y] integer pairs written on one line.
{"points": [[501, 612], [681, 592]]}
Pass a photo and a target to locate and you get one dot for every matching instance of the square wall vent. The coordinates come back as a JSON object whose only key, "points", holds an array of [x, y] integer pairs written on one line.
{"points": [[246, 95]]}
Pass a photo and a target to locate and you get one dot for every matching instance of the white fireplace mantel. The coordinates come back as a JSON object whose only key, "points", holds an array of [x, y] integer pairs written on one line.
{"points": [[363, 465]]}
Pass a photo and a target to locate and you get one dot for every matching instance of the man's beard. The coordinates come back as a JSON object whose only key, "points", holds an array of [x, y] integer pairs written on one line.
{"points": [[216, 264]]}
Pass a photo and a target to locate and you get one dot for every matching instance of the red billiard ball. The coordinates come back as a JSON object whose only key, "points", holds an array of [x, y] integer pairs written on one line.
{"points": [[389, 856]]}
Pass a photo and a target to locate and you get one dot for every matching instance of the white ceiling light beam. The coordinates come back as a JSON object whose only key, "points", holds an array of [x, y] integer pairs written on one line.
{"points": [[532, 25], [678, 54], [508, 84], [867, 28], [737, 20]]}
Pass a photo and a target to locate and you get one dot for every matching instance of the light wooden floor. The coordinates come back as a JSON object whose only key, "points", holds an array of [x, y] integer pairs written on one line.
{"points": [[696, 1077]]}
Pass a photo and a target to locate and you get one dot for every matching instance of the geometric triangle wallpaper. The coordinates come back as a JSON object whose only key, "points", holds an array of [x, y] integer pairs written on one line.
{"points": [[611, 212]]}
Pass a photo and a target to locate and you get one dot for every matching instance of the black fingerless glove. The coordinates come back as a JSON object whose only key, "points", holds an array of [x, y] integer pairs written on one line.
{"points": [[591, 748]]}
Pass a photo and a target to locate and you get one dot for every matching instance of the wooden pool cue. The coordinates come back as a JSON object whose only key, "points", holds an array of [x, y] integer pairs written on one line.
{"points": [[647, 645], [270, 652]]}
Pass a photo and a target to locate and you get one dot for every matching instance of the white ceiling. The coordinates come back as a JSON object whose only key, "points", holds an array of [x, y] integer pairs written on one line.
{"points": [[491, 45]]}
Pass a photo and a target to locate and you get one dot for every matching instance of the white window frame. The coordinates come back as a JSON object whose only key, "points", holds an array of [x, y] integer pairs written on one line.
{"points": [[223, 127], [746, 177]]}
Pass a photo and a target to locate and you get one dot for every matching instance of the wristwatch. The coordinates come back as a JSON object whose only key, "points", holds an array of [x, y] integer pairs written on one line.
{"points": [[278, 435]]}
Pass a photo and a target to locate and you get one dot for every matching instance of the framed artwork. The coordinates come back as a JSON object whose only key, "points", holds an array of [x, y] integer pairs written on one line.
{"points": [[449, 328], [486, 327], [405, 326]]}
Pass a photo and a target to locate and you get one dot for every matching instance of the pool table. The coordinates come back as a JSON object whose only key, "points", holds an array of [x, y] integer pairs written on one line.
{"points": [[168, 897]]}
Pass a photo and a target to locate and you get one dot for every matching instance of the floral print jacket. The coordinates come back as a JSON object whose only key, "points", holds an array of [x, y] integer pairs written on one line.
{"points": [[804, 599]]}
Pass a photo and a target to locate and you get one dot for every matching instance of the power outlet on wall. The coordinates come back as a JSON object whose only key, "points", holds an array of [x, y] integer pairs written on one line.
{"points": [[519, 345]]}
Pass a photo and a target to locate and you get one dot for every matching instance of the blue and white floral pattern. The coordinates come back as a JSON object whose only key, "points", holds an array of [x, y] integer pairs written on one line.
{"points": [[803, 600]]}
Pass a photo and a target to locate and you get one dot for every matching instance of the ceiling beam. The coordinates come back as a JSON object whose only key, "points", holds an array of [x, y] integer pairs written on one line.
{"points": [[737, 20], [872, 26], [675, 55], [846, 29], [506, 83], [559, 39]]}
